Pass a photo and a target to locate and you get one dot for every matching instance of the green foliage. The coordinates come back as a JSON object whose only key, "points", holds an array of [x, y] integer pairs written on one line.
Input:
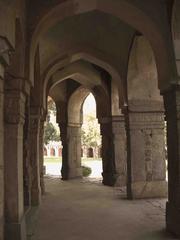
{"points": [[86, 171], [50, 133], [51, 107], [90, 133]]}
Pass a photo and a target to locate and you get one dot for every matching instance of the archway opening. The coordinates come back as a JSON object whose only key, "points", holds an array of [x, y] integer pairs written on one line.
{"points": [[91, 139], [52, 143]]}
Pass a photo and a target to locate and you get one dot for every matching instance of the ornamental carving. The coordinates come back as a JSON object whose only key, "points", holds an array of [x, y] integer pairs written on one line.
{"points": [[148, 154]]}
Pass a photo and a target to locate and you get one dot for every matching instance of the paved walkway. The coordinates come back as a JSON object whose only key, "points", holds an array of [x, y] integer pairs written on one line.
{"points": [[86, 210]]}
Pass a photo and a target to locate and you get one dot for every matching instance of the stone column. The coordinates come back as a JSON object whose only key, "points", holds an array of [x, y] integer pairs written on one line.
{"points": [[109, 173], [64, 140], [4, 61], [172, 108], [120, 149], [26, 157], [35, 116], [74, 151], [146, 150], [13, 154], [41, 155], [1, 152]]}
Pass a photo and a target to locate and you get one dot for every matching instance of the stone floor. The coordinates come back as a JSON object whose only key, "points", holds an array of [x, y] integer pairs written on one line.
{"points": [[86, 210]]}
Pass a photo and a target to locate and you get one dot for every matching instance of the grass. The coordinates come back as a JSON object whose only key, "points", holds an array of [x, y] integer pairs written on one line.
{"points": [[59, 159], [52, 159]]}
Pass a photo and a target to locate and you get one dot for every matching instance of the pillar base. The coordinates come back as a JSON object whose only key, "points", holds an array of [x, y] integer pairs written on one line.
{"points": [[153, 189], [75, 173], [173, 219], [15, 231], [109, 179], [121, 181]]}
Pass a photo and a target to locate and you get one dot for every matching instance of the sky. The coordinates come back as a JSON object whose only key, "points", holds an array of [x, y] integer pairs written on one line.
{"points": [[89, 105]]}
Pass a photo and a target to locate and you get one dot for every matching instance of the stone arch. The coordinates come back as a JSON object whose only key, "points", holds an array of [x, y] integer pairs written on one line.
{"points": [[75, 104], [136, 18], [89, 55], [52, 152], [90, 152], [100, 91], [77, 99], [59, 152]]}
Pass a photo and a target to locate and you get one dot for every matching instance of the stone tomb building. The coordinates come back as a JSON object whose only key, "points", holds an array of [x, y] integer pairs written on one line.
{"points": [[126, 53]]}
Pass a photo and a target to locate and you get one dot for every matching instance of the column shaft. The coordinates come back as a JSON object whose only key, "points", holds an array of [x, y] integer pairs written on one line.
{"points": [[5, 47], [26, 157], [1, 152], [120, 150], [13, 154], [41, 156], [34, 156], [64, 140], [109, 172], [74, 151], [146, 150], [172, 107]]}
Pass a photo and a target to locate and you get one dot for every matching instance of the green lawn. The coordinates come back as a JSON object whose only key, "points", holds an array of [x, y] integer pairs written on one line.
{"points": [[59, 159], [52, 159]]}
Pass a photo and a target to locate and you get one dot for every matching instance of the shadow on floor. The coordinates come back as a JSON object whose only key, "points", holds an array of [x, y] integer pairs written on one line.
{"points": [[157, 235]]}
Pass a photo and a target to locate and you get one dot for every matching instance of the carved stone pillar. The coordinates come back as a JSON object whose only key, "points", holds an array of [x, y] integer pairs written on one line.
{"points": [[109, 173], [26, 157], [172, 108], [1, 153], [146, 150], [4, 61], [13, 154], [64, 140], [120, 149], [35, 116], [74, 152], [41, 155]]}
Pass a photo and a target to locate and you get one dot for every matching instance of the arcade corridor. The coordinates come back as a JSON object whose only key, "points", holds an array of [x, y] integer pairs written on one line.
{"points": [[127, 54], [82, 209]]}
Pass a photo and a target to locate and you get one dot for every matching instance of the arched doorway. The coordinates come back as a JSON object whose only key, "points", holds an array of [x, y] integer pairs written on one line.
{"points": [[91, 138]]}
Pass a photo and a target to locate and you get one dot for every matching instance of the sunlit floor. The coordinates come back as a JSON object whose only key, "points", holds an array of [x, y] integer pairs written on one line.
{"points": [[86, 210]]}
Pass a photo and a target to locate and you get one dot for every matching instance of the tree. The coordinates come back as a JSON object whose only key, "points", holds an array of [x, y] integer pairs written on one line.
{"points": [[51, 106], [90, 133], [50, 133]]}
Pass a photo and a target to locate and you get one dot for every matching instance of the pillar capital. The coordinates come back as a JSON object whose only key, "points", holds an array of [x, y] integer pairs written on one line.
{"points": [[37, 112], [144, 106], [105, 120], [118, 125], [14, 107]]}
